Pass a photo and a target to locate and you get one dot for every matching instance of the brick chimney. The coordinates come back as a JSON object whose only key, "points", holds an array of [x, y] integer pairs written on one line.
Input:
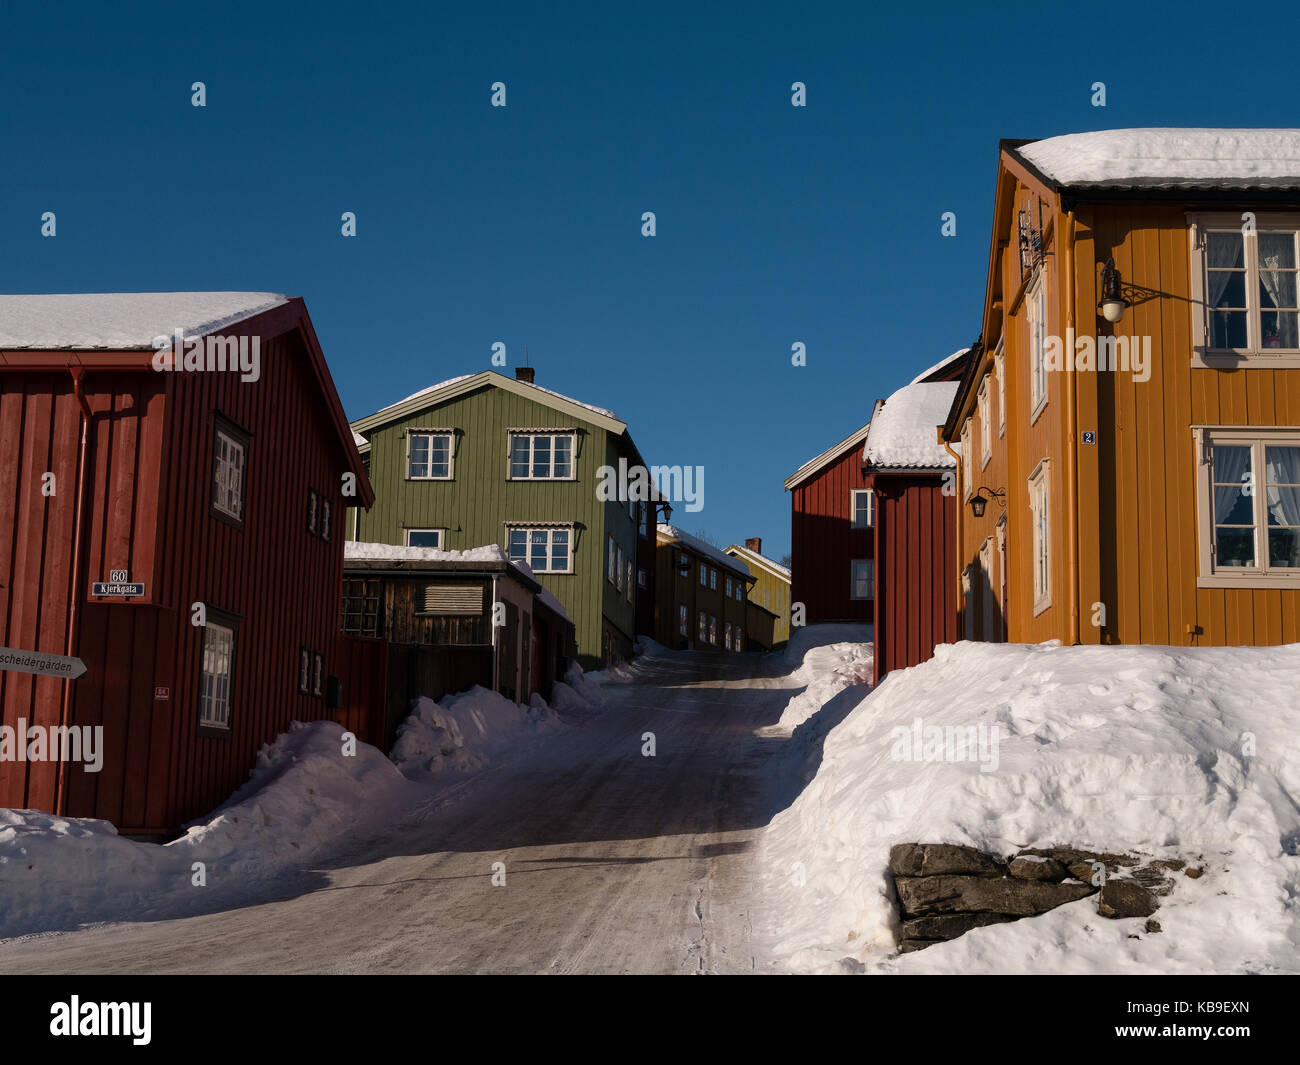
{"points": [[524, 373], [755, 544]]}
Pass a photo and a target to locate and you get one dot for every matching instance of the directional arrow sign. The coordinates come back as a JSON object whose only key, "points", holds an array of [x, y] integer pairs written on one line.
{"points": [[42, 663]]}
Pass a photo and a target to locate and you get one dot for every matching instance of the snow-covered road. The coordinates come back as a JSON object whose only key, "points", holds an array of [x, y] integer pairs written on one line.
{"points": [[614, 862]]}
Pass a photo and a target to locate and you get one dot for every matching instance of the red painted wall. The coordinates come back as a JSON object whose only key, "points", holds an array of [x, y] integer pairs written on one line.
{"points": [[823, 543], [916, 597]]}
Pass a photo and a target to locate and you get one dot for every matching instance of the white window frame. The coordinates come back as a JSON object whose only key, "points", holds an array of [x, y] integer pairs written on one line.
{"points": [[550, 531], [870, 563], [450, 435], [704, 575], [1036, 320], [217, 650], [713, 578], [967, 461], [442, 537], [228, 475], [1040, 512], [1262, 574], [986, 423], [870, 493], [1000, 368], [533, 435], [726, 584], [713, 630], [683, 620], [1254, 355]]}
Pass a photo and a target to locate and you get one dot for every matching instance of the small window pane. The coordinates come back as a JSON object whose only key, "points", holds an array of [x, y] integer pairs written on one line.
{"points": [[541, 456], [519, 456], [424, 538], [1225, 248], [1277, 251], [419, 466]]}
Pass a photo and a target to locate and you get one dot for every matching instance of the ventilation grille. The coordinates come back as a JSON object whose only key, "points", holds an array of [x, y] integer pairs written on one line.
{"points": [[458, 599]]}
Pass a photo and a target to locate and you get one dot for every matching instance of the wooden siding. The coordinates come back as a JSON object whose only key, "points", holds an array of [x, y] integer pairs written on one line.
{"points": [[674, 590], [824, 544], [476, 505], [916, 600]]}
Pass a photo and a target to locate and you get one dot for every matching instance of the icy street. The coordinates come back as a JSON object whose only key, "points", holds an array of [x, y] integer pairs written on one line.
{"points": [[614, 862]]}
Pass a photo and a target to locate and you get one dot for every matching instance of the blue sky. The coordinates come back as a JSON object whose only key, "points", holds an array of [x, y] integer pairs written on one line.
{"points": [[523, 225]]}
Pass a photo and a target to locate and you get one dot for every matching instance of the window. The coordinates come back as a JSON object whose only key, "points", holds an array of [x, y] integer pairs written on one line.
{"points": [[681, 619], [704, 575], [643, 519], [704, 627], [740, 638], [713, 630], [544, 549], [216, 671], [727, 586], [986, 425], [1036, 314], [1248, 505], [317, 673], [863, 579], [229, 458], [726, 637], [611, 562], [618, 568], [304, 670], [684, 566], [1000, 368], [713, 578], [628, 585], [1041, 555], [1244, 289], [740, 591], [642, 579], [967, 461], [424, 538], [429, 454], [326, 513], [360, 606], [318, 514], [863, 504], [541, 456]]}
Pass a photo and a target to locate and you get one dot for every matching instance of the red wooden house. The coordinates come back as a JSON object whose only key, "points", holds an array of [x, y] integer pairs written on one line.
{"points": [[912, 477], [176, 527], [832, 548]]}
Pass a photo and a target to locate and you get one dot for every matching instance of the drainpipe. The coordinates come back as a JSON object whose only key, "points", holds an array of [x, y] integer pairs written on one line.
{"points": [[961, 609], [1071, 446], [74, 613]]}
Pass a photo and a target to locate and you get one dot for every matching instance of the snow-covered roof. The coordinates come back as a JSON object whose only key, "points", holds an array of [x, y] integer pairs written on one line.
{"points": [[121, 321], [903, 433], [545, 595], [759, 560], [358, 551], [671, 532], [1171, 158], [359, 440], [465, 376], [941, 364]]}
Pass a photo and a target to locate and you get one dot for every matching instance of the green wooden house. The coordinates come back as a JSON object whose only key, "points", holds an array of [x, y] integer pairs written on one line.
{"points": [[487, 459]]}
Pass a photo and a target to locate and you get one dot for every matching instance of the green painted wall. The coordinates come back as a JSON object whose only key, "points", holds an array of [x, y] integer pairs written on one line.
{"points": [[475, 506]]}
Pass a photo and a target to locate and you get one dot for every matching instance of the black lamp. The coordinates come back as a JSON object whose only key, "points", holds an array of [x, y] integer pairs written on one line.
{"points": [[979, 501], [1112, 303]]}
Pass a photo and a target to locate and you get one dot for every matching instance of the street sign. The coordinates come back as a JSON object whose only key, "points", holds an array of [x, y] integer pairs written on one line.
{"points": [[41, 663], [122, 589]]}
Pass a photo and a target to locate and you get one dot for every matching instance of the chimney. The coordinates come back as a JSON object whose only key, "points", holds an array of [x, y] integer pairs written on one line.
{"points": [[524, 373], [755, 544]]}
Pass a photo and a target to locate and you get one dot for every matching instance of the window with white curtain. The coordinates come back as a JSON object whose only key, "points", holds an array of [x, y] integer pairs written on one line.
{"points": [[1248, 505]]}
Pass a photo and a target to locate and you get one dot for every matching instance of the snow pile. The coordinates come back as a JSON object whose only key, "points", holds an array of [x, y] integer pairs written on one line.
{"points": [[1241, 157], [827, 659], [904, 430], [357, 550], [671, 532], [577, 693], [122, 321], [1189, 753], [304, 794], [465, 732]]}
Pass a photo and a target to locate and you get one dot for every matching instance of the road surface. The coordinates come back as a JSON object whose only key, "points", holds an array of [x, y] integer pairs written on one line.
{"points": [[614, 862]]}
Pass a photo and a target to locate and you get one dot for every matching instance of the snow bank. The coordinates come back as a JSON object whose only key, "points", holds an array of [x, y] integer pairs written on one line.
{"points": [[1170, 156], [578, 692], [465, 732], [903, 431], [58, 872], [826, 659], [1174, 752], [122, 321]]}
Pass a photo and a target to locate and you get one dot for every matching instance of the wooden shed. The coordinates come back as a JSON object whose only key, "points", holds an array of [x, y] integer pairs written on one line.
{"points": [[175, 524]]}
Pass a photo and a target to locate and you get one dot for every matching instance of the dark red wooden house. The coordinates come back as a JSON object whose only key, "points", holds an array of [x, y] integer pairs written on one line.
{"points": [[915, 520], [832, 546], [177, 488]]}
